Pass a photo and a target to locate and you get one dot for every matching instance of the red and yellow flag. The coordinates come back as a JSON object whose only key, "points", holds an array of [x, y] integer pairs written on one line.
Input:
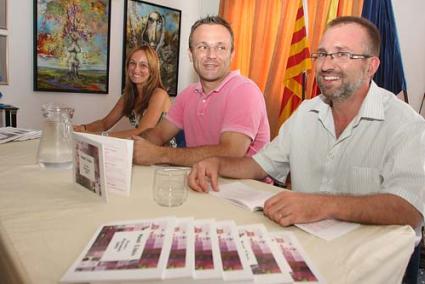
{"points": [[298, 63]]}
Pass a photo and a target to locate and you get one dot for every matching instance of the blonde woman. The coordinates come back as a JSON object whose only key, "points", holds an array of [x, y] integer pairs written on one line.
{"points": [[144, 99]]}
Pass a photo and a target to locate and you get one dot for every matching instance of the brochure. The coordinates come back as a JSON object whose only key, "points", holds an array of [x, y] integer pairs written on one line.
{"points": [[125, 251], [180, 261], [302, 269], [103, 164], [207, 258], [8, 134], [243, 195], [267, 265], [235, 264]]}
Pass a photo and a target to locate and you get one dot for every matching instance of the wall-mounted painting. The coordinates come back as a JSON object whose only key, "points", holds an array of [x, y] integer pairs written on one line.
{"points": [[3, 14], [159, 27], [3, 60], [71, 45]]}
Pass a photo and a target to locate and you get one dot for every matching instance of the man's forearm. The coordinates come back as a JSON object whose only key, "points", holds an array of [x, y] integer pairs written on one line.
{"points": [[190, 155], [243, 168], [382, 209]]}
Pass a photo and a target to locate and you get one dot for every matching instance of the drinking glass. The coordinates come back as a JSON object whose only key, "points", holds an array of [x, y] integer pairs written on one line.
{"points": [[170, 186]]}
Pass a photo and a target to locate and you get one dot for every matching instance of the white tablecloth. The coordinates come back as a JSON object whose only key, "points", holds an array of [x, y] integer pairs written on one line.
{"points": [[46, 221]]}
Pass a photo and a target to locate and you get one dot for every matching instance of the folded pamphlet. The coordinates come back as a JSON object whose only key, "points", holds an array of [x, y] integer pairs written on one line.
{"points": [[102, 164]]}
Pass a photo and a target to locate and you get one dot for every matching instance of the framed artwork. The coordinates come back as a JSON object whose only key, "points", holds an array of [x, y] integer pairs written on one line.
{"points": [[71, 45], [158, 26], [3, 60], [3, 14]]}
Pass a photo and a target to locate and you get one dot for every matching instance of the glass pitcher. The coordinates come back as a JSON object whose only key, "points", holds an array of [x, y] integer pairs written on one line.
{"points": [[55, 148]]}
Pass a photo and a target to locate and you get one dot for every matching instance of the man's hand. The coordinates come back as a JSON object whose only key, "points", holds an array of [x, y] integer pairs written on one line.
{"points": [[203, 173], [288, 208], [146, 153]]}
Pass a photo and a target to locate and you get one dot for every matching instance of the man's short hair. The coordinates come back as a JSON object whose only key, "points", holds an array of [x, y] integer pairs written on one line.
{"points": [[212, 20], [371, 30]]}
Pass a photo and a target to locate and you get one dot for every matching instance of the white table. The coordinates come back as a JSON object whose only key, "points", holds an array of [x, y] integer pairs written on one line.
{"points": [[45, 222]]}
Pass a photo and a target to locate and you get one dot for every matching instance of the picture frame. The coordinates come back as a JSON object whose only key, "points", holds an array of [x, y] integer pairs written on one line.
{"points": [[3, 60], [71, 46], [159, 26], [3, 14]]}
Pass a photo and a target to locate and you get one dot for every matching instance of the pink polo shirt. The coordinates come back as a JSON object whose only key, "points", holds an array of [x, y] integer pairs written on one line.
{"points": [[236, 105]]}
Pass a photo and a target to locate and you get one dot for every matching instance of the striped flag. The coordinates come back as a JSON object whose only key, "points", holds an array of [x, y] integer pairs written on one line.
{"points": [[298, 63]]}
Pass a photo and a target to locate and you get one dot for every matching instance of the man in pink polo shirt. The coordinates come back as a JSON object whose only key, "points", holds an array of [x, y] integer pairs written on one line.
{"points": [[224, 114]]}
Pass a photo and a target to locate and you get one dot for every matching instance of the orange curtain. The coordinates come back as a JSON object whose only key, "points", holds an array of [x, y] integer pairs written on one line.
{"points": [[263, 32]]}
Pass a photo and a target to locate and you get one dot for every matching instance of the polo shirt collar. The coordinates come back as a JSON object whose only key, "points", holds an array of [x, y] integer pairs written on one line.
{"points": [[230, 76]]}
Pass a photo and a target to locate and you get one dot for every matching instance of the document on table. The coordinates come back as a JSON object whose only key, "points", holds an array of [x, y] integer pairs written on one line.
{"points": [[328, 229]]}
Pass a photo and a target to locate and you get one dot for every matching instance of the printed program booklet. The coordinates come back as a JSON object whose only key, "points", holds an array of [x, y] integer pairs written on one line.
{"points": [[234, 262], [180, 261], [9, 134], [243, 195], [267, 264], [302, 269], [207, 256], [124, 251], [102, 164]]}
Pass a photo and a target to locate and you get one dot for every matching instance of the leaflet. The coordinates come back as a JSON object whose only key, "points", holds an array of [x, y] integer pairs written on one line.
{"points": [[102, 164], [130, 250], [302, 269]]}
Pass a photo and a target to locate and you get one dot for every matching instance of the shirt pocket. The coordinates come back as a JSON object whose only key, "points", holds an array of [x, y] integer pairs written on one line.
{"points": [[363, 181]]}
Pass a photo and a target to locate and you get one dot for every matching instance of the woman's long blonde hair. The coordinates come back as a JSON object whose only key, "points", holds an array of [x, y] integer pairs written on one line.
{"points": [[153, 82]]}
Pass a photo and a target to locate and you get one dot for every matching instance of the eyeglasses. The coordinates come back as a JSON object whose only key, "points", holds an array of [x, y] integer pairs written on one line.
{"points": [[340, 56], [218, 49]]}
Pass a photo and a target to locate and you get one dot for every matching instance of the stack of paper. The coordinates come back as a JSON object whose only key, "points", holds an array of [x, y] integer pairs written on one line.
{"points": [[8, 134], [171, 247]]}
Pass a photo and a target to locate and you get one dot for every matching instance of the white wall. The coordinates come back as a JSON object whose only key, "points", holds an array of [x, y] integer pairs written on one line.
{"points": [[88, 107], [410, 21], [19, 92]]}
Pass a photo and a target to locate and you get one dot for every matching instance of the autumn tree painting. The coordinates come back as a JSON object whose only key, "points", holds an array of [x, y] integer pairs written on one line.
{"points": [[71, 45]]}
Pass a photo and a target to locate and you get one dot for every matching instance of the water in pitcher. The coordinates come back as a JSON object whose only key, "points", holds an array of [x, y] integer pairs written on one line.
{"points": [[55, 148]]}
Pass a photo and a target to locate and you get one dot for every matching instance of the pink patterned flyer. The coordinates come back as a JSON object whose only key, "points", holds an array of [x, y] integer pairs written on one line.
{"points": [[302, 269], [180, 261], [129, 250], [234, 263], [207, 255], [266, 264]]}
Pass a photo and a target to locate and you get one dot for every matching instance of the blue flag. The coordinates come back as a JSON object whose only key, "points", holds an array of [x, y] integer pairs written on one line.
{"points": [[390, 74]]}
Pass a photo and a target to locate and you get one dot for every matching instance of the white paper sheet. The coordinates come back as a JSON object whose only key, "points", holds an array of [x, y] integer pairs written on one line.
{"points": [[328, 229]]}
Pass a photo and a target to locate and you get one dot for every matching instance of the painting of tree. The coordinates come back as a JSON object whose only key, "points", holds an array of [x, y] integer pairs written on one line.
{"points": [[71, 45]]}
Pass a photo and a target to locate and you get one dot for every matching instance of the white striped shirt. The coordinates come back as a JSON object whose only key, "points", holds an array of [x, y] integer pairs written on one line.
{"points": [[381, 151]]}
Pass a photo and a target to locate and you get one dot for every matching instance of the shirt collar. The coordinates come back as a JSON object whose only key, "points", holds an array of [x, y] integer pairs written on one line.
{"points": [[372, 106], [230, 76]]}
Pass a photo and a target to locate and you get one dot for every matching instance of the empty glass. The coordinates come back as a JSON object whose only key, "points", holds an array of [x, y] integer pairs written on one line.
{"points": [[169, 187], [55, 147]]}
